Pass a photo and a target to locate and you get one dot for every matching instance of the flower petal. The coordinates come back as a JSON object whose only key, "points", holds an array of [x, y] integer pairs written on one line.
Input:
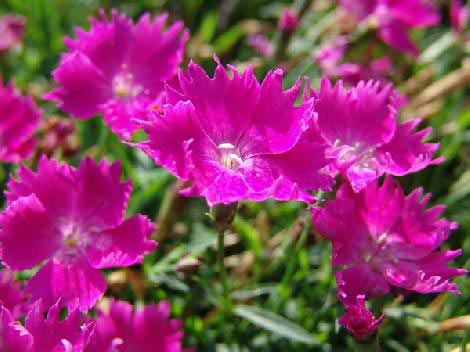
{"points": [[77, 284], [123, 245], [27, 234]]}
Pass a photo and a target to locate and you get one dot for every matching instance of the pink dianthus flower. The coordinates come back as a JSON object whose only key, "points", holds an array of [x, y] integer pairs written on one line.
{"points": [[329, 58], [118, 68], [148, 329], [459, 16], [11, 294], [72, 219], [55, 334], [11, 31], [288, 21], [19, 119], [13, 335], [44, 334], [236, 139], [395, 18], [385, 239], [361, 126], [261, 44], [359, 320]]}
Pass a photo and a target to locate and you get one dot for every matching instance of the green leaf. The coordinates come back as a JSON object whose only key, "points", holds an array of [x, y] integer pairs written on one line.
{"points": [[255, 291], [275, 324], [208, 26], [437, 48], [228, 39], [250, 235]]}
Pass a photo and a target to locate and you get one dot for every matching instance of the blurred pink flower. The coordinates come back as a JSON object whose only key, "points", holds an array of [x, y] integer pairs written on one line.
{"points": [[288, 21], [261, 44], [395, 18], [11, 31], [73, 219], [118, 68], [58, 136], [19, 119], [359, 320], [234, 131], [459, 16], [361, 127], [384, 239], [149, 329], [329, 58]]}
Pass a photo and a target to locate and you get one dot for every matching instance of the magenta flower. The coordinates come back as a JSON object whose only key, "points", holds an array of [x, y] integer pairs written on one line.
{"points": [[386, 239], [459, 16], [11, 295], [44, 334], [19, 119], [233, 131], [13, 336], [71, 218], [395, 18], [360, 125], [329, 58], [288, 21], [53, 334], [149, 329], [11, 31], [359, 320], [118, 69]]}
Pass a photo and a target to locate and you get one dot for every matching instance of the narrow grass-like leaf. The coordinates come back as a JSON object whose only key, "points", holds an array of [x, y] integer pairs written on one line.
{"points": [[275, 324]]}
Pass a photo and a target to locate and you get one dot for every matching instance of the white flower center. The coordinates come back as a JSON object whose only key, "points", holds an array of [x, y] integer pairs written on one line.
{"points": [[124, 87], [230, 156]]}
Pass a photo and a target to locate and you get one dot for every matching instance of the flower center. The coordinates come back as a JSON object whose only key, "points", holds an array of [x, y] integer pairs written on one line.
{"points": [[71, 242], [379, 245], [230, 156], [115, 344], [124, 87], [357, 153]]}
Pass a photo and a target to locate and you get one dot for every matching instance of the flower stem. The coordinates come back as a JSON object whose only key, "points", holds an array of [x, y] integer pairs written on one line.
{"points": [[371, 345], [172, 205], [223, 216], [221, 267], [285, 38]]}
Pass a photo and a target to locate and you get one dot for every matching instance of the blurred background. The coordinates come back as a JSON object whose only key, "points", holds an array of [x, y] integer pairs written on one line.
{"points": [[281, 278]]}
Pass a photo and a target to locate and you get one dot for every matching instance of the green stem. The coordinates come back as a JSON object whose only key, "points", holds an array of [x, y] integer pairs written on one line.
{"points": [[284, 39], [372, 345], [222, 269], [293, 257], [223, 216], [172, 205]]}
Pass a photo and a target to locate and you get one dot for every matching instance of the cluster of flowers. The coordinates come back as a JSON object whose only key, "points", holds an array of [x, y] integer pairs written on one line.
{"points": [[116, 328], [72, 219], [70, 222], [392, 20], [235, 139]]}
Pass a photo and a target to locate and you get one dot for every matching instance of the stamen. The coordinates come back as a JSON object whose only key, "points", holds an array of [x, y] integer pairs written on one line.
{"points": [[123, 86], [230, 157]]}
